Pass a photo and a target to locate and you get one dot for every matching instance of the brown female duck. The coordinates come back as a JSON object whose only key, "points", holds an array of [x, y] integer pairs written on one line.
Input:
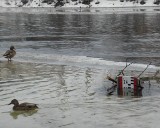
{"points": [[23, 106], [10, 53]]}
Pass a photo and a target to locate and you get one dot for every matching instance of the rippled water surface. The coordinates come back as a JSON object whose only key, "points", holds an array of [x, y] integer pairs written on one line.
{"points": [[62, 62]]}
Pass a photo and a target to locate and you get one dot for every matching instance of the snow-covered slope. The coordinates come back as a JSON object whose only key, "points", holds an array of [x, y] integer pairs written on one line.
{"points": [[79, 3]]}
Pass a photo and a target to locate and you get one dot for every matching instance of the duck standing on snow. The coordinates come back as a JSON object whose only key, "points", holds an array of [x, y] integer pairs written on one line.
{"points": [[10, 53], [23, 106]]}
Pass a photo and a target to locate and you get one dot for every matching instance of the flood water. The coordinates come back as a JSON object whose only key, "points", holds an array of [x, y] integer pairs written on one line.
{"points": [[62, 62]]}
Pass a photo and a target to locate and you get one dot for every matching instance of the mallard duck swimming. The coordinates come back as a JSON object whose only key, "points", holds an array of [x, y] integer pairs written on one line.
{"points": [[23, 106], [10, 53]]}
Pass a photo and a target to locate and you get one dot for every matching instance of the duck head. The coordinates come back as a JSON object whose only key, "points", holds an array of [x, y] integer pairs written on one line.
{"points": [[12, 48], [15, 102]]}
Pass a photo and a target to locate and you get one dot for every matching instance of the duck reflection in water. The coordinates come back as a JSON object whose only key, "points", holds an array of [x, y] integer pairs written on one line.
{"points": [[15, 114]]}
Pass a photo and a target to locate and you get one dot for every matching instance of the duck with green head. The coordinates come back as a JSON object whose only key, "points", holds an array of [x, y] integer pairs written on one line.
{"points": [[23, 106], [10, 53]]}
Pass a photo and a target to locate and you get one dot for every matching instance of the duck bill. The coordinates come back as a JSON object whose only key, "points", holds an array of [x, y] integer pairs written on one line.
{"points": [[9, 104]]}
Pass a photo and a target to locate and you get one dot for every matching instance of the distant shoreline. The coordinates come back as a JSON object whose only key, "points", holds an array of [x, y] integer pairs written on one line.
{"points": [[77, 10], [81, 3]]}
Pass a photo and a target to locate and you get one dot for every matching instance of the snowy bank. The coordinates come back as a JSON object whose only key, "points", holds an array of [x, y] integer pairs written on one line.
{"points": [[80, 3]]}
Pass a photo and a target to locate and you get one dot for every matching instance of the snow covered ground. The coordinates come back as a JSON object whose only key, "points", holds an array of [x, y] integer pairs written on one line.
{"points": [[78, 3]]}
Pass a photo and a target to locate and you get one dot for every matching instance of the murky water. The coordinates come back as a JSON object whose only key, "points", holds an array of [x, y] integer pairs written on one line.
{"points": [[62, 62]]}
